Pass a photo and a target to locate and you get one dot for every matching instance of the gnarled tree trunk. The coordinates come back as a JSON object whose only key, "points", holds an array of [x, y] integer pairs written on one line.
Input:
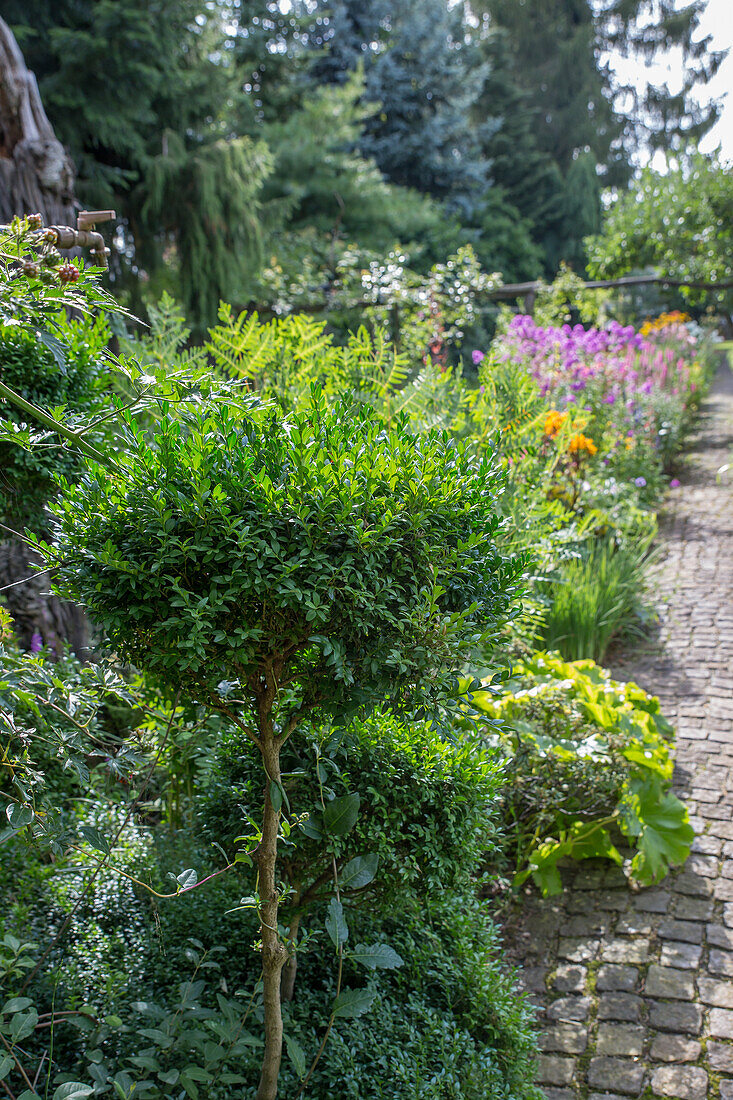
{"points": [[36, 172], [36, 177]]}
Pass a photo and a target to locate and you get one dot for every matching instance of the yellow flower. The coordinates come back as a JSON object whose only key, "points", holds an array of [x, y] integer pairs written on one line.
{"points": [[580, 443], [676, 317], [554, 422]]}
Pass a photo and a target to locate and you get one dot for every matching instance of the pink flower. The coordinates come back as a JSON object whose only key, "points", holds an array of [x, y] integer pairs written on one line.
{"points": [[674, 483], [477, 357]]}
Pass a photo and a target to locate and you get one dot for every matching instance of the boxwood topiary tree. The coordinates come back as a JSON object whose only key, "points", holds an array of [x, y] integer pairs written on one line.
{"points": [[278, 569]]}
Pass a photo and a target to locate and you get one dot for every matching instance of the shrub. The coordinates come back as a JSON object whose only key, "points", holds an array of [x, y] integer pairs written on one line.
{"points": [[426, 808], [282, 569]]}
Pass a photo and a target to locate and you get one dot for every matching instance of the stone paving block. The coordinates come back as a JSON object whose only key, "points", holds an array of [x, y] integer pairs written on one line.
{"points": [[577, 949], [675, 1017], [591, 925], [626, 951], [717, 936], [621, 1074], [532, 978], [681, 930], [634, 924], [569, 1008], [622, 1039], [721, 962], [695, 885], [681, 1082], [709, 845], [726, 1090], [685, 956], [624, 979], [713, 992], [699, 864], [614, 900], [620, 1006], [559, 1094], [564, 1038], [692, 909], [721, 1023], [569, 978], [663, 981], [720, 1056], [554, 1070], [675, 1048], [653, 900], [723, 889]]}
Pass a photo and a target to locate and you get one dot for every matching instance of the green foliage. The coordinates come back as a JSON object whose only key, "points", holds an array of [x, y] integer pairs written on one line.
{"points": [[207, 200], [55, 733], [449, 1025], [357, 558], [589, 764], [424, 817], [65, 376], [595, 598], [678, 222]]}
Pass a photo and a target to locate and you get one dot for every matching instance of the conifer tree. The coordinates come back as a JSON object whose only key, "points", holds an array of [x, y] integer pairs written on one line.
{"points": [[145, 97], [424, 77]]}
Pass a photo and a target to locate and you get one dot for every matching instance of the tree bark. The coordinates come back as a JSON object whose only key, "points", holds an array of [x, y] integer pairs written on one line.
{"points": [[36, 172], [290, 969], [39, 617], [274, 953]]}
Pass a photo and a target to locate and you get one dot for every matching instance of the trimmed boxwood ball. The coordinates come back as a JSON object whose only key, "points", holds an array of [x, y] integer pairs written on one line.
{"points": [[361, 557], [284, 569]]}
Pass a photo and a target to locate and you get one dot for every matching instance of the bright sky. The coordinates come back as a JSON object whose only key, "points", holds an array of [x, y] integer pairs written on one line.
{"points": [[718, 22]]}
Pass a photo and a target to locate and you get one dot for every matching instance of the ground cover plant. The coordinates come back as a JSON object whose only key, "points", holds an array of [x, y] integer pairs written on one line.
{"points": [[589, 765]]}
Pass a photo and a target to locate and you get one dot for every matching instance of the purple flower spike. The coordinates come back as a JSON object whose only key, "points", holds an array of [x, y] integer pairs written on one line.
{"points": [[477, 356], [36, 643]]}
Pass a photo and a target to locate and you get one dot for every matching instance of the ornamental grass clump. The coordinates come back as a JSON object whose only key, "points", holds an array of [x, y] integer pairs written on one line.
{"points": [[289, 569]]}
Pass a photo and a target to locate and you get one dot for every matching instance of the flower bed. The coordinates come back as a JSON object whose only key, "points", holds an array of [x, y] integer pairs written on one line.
{"points": [[626, 394]]}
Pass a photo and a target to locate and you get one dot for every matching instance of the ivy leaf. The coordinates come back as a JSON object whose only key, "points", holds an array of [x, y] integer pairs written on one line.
{"points": [[312, 826], [19, 815], [72, 1090], [336, 925], [358, 872], [296, 1054], [340, 815], [353, 1002], [94, 838], [187, 878], [378, 956]]}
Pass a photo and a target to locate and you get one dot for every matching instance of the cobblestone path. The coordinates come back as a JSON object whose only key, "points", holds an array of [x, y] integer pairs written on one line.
{"points": [[636, 989]]}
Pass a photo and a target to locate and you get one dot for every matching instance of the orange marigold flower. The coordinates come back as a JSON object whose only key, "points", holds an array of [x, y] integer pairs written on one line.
{"points": [[554, 422], [580, 443], [676, 317]]}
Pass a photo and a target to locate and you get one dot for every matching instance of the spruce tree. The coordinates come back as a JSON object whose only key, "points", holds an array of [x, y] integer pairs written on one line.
{"points": [[655, 116], [423, 77]]}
